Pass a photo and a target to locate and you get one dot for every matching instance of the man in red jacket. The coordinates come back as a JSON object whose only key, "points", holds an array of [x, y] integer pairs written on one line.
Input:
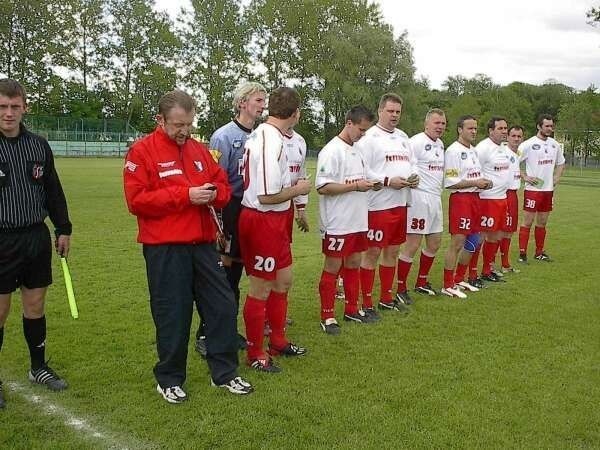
{"points": [[171, 184]]}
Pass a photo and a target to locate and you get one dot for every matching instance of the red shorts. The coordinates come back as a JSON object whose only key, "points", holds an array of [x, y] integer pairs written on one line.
{"points": [[464, 216], [265, 249], [387, 227], [538, 201], [493, 214], [512, 211], [342, 245]]}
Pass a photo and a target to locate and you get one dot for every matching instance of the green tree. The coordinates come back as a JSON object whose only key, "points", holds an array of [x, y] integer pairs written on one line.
{"points": [[28, 31], [83, 40], [143, 48], [214, 56], [579, 124]]}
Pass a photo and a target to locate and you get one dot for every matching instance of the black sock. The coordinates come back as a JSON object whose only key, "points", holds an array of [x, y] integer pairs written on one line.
{"points": [[35, 335]]}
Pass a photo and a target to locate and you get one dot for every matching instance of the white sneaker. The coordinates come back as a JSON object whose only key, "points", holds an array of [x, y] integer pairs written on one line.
{"points": [[173, 394], [453, 292], [467, 287], [236, 385]]}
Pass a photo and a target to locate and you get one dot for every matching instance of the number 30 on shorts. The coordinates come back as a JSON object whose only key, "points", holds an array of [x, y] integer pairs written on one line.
{"points": [[375, 235], [264, 264]]}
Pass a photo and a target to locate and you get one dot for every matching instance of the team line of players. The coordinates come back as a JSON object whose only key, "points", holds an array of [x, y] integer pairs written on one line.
{"points": [[378, 189]]}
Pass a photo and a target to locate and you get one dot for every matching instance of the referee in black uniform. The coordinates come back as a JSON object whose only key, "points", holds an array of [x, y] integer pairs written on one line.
{"points": [[30, 191]]}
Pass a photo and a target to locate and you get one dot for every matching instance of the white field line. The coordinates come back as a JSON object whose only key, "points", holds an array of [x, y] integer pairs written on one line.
{"points": [[83, 427]]}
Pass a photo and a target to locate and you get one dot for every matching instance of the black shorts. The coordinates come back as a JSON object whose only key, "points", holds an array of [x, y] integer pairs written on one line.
{"points": [[231, 218], [25, 258]]}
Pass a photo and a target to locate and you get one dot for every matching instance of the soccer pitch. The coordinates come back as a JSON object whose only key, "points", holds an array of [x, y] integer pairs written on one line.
{"points": [[517, 365]]}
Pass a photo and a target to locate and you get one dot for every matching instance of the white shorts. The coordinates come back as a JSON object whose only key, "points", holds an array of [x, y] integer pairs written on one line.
{"points": [[424, 215]]}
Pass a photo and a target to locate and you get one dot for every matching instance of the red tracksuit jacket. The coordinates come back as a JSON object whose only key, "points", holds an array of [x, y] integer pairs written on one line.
{"points": [[157, 176]]}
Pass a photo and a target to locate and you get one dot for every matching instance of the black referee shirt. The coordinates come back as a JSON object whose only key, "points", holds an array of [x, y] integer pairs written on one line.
{"points": [[30, 189]]}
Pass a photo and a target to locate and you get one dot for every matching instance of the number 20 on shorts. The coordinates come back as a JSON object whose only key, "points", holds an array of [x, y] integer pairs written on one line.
{"points": [[264, 264]]}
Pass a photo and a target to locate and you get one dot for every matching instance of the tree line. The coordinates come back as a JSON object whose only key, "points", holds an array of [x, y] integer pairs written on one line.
{"points": [[115, 58]]}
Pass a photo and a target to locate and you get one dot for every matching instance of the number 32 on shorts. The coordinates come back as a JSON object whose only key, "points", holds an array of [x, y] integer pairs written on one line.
{"points": [[264, 264]]}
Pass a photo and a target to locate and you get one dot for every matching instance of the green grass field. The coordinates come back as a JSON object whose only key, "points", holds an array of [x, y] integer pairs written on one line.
{"points": [[514, 366]]}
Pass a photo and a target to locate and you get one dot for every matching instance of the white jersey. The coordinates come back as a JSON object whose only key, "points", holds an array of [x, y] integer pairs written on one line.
{"points": [[460, 164], [265, 168], [495, 166], [429, 155], [342, 163], [295, 150], [387, 154], [515, 170], [541, 157]]}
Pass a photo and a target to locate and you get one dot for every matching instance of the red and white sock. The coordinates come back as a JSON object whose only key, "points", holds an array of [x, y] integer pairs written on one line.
{"points": [[367, 279], [254, 320], [540, 239], [473, 263], [523, 239], [404, 265], [351, 290], [425, 263], [327, 290], [386, 280], [489, 254], [277, 303], [505, 252]]}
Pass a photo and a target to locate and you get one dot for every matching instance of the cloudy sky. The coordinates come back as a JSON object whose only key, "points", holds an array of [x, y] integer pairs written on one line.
{"points": [[512, 40]]}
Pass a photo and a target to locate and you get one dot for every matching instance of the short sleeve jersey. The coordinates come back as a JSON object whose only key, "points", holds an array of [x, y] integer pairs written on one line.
{"points": [[515, 170], [541, 157], [339, 162], [266, 169], [294, 146], [429, 156], [495, 166], [460, 164], [227, 148], [387, 154]]}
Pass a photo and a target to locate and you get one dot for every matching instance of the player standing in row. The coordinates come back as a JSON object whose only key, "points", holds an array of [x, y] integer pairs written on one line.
{"points": [[342, 182], [227, 147], [386, 151], [463, 177], [515, 137], [265, 248], [294, 146], [544, 165], [494, 158], [425, 216]]}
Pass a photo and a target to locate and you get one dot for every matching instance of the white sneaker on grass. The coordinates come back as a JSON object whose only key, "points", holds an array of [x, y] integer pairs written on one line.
{"points": [[453, 292]]}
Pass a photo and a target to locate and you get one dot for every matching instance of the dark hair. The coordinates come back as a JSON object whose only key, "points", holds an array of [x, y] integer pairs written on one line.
{"points": [[516, 127], [283, 102], [462, 119], [11, 88], [542, 117], [491, 125], [389, 97], [359, 112], [176, 98]]}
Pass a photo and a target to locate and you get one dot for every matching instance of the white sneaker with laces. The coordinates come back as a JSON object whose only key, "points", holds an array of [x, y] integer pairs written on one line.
{"points": [[468, 287], [173, 394], [236, 385], [453, 292]]}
